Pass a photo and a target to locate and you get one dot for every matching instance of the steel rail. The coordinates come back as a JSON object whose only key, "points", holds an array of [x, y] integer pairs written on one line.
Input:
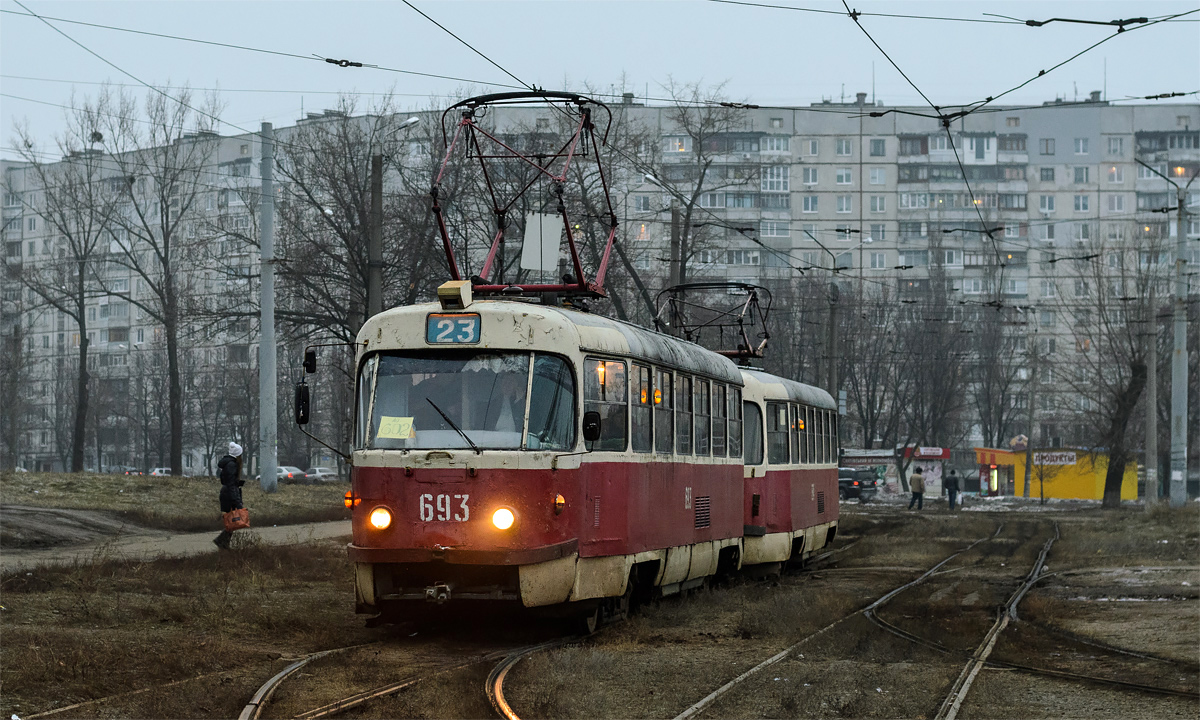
{"points": [[494, 686], [962, 684], [254, 707], [707, 700]]}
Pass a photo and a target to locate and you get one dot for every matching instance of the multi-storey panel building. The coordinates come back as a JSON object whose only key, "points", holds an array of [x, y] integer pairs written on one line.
{"points": [[989, 205]]}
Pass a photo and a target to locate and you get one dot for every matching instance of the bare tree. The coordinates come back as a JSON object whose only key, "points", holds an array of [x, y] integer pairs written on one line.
{"points": [[75, 198], [1105, 299], [872, 366], [995, 370], [164, 154]]}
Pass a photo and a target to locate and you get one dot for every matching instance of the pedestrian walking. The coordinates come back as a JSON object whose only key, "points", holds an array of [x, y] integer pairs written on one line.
{"points": [[951, 485], [917, 484], [230, 470]]}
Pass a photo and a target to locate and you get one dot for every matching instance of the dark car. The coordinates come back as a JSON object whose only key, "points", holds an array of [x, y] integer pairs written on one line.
{"points": [[857, 483]]}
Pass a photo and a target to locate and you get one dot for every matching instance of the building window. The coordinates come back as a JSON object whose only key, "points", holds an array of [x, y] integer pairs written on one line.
{"points": [[878, 148], [1012, 121], [1012, 230], [641, 203], [1049, 289], [972, 286], [878, 176], [844, 261], [677, 144], [843, 146], [878, 232], [1116, 146], [1116, 203], [878, 203], [952, 258], [712, 200], [1047, 174], [845, 203], [878, 261], [809, 204], [915, 145], [813, 146], [1011, 143], [1046, 146], [1081, 203], [1011, 201], [1116, 175], [775, 143], [777, 123], [809, 175], [1046, 203], [1048, 231], [32, 224], [1081, 146], [1081, 175], [843, 176], [774, 228], [912, 229], [775, 178], [909, 201], [1082, 289]]}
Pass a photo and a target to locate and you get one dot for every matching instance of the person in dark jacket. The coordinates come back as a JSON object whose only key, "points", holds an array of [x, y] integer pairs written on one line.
{"points": [[951, 487], [230, 470]]}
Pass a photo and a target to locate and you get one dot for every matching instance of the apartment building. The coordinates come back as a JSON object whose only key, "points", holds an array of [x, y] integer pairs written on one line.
{"points": [[886, 196]]}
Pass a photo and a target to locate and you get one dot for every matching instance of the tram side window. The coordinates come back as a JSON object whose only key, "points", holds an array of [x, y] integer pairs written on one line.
{"points": [[366, 388], [641, 409], [735, 422], [833, 436], [803, 425], [817, 458], [702, 404], [683, 415], [824, 439], [551, 405], [793, 435], [664, 415], [777, 433], [719, 409], [604, 391], [753, 439]]}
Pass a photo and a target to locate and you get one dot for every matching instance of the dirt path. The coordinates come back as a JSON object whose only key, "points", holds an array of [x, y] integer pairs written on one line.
{"points": [[95, 535]]}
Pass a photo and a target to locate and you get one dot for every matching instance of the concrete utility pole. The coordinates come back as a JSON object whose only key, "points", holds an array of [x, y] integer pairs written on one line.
{"points": [[375, 241], [1032, 392], [1179, 363], [1152, 492], [831, 340], [267, 431]]}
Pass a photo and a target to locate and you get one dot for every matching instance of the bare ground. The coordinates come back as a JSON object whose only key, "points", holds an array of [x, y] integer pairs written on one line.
{"points": [[219, 624]]}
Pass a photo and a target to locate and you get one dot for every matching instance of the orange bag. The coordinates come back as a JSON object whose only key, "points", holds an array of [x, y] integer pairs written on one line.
{"points": [[237, 519]]}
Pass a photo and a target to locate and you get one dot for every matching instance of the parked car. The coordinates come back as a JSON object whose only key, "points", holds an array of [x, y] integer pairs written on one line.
{"points": [[321, 474], [858, 483], [160, 472], [286, 474]]}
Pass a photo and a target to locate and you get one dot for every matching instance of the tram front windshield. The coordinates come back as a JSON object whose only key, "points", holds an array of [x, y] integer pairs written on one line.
{"points": [[424, 401]]}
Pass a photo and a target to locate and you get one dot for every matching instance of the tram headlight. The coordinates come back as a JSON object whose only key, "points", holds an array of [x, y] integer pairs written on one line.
{"points": [[560, 503], [380, 518], [503, 518]]}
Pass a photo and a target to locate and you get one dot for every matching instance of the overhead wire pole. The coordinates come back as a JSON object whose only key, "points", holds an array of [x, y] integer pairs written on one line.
{"points": [[1179, 360], [268, 435], [1151, 492], [375, 241]]}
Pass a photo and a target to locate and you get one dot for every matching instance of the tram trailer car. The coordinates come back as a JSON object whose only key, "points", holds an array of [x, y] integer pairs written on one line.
{"points": [[472, 479]]}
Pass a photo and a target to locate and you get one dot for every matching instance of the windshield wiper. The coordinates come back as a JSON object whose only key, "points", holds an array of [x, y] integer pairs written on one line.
{"points": [[456, 427]]}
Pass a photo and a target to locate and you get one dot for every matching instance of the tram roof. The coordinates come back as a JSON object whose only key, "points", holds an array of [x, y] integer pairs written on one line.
{"points": [[594, 334], [793, 390]]}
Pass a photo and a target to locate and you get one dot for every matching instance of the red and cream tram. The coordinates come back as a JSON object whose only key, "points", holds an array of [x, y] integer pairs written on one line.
{"points": [[472, 478]]}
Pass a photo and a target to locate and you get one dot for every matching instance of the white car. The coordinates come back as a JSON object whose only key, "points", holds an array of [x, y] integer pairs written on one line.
{"points": [[160, 472], [320, 474], [286, 474]]}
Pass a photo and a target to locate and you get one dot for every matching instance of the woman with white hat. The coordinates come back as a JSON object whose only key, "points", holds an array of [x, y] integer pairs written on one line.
{"points": [[230, 470]]}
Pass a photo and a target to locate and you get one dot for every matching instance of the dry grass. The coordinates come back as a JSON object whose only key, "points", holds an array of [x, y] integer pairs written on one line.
{"points": [[1131, 536], [170, 503], [97, 629]]}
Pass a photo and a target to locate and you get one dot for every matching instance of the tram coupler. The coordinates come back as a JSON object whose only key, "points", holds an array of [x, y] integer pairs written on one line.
{"points": [[438, 593]]}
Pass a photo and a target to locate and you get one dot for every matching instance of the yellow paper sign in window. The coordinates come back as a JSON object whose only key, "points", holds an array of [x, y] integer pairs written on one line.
{"points": [[395, 428]]}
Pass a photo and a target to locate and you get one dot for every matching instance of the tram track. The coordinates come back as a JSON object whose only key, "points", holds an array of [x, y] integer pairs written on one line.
{"points": [[700, 706]]}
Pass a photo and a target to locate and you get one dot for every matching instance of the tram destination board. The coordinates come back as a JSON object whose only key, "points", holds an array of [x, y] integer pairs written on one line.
{"points": [[453, 329]]}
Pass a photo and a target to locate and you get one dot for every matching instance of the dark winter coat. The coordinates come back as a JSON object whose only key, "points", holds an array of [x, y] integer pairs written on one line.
{"points": [[950, 483], [230, 470]]}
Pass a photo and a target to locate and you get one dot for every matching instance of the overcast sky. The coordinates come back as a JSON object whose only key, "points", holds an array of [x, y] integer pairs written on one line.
{"points": [[763, 55]]}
